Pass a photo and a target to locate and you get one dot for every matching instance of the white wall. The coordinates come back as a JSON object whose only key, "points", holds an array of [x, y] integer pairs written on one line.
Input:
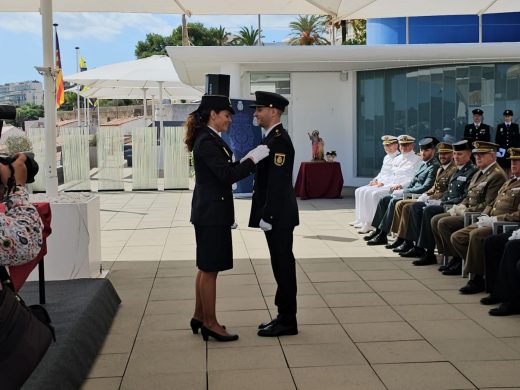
{"points": [[322, 101]]}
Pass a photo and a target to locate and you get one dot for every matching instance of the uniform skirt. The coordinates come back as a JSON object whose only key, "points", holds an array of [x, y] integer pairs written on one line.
{"points": [[214, 248]]}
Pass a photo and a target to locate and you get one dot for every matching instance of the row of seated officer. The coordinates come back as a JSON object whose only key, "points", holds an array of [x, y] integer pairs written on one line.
{"points": [[456, 213]]}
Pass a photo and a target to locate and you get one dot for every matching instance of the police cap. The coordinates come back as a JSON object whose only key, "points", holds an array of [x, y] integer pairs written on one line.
{"points": [[514, 153], [461, 146], [389, 139], [477, 111], [444, 147], [508, 113], [405, 139], [484, 147], [269, 99], [215, 102], [428, 143]]}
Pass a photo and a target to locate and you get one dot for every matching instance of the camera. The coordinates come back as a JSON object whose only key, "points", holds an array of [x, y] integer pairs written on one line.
{"points": [[30, 164]]}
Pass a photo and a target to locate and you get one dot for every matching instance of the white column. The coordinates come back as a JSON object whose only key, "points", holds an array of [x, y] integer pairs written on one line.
{"points": [[144, 105], [78, 87], [49, 90], [407, 30], [235, 91], [479, 28]]}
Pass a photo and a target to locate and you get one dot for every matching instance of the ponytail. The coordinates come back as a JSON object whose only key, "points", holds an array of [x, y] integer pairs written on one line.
{"points": [[195, 122]]}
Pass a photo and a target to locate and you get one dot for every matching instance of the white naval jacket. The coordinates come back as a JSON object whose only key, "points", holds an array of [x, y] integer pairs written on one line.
{"points": [[386, 173], [404, 168]]}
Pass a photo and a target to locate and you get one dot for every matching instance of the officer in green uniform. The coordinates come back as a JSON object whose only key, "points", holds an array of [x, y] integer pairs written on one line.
{"points": [[275, 211], [469, 242], [482, 192]]}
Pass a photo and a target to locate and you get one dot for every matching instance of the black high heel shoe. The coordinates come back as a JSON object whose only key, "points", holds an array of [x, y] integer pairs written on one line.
{"points": [[195, 325], [208, 332]]}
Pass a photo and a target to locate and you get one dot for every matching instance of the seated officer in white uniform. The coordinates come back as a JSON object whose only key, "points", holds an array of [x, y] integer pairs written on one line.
{"points": [[382, 179], [404, 167]]}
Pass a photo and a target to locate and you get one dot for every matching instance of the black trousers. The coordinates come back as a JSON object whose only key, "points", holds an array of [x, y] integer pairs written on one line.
{"points": [[495, 247], [413, 228], [280, 242], [385, 213], [426, 238]]}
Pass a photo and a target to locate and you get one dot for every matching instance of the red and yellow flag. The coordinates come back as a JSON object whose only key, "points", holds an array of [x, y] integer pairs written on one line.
{"points": [[60, 89]]}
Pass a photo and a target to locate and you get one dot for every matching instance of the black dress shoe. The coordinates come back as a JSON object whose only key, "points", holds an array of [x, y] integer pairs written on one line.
{"points": [[279, 329], [195, 325], [452, 262], [380, 239], [490, 300], [264, 325], [474, 286], [404, 247], [206, 333], [427, 259], [505, 309], [454, 269], [372, 235], [395, 244], [414, 252]]}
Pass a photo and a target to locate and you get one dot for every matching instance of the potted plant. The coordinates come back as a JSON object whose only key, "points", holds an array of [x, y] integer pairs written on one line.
{"points": [[331, 156]]}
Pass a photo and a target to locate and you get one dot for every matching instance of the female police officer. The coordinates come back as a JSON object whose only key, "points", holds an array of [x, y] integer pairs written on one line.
{"points": [[212, 212]]}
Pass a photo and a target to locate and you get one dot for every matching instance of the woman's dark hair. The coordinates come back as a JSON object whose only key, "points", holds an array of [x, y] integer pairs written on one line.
{"points": [[195, 122]]}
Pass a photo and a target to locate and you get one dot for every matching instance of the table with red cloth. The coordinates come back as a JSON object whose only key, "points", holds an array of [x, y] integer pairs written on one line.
{"points": [[319, 180], [20, 273]]}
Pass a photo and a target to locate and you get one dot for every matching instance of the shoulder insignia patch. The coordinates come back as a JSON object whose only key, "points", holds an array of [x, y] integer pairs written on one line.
{"points": [[279, 159], [277, 133]]}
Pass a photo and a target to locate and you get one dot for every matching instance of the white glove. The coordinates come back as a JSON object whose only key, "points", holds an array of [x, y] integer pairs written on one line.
{"points": [[433, 202], [234, 186], [265, 226], [457, 210], [398, 194], [515, 235], [257, 154], [486, 221], [423, 198]]}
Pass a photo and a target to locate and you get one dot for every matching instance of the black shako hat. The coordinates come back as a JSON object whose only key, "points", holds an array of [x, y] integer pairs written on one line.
{"points": [[461, 145], [508, 112], [269, 99], [214, 102]]}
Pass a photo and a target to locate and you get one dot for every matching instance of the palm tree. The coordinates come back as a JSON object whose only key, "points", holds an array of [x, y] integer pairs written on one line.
{"points": [[247, 37], [308, 30], [221, 35]]}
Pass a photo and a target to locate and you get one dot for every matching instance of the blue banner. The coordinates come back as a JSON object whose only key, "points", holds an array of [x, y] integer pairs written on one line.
{"points": [[242, 136]]}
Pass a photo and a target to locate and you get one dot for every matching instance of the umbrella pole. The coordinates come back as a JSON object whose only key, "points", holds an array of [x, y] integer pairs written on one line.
{"points": [[144, 105], [49, 87]]}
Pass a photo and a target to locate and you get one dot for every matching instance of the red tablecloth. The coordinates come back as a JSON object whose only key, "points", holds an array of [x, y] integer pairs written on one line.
{"points": [[20, 273], [319, 180]]}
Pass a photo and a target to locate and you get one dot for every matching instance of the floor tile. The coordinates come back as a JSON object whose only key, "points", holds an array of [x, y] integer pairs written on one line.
{"points": [[381, 331], [399, 352], [313, 355], [337, 378], [492, 373], [348, 315], [255, 379], [243, 358]]}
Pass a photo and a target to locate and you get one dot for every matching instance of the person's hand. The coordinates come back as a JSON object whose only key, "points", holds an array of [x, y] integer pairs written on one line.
{"points": [[433, 202], [515, 235], [398, 193], [257, 154], [380, 184], [423, 198], [395, 187], [265, 226], [486, 221]]}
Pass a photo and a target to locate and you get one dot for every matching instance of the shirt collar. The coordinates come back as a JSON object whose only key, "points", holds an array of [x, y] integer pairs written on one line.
{"points": [[266, 132], [216, 132], [488, 167]]}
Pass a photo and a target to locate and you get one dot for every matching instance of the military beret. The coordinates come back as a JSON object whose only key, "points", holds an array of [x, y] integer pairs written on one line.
{"points": [[444, 147], [405, 139], [477, 111], [214, 102], [508, 113], [514, 153], [428, 143], [269, 99], [461, 146], [389, 139], [484, 147]]}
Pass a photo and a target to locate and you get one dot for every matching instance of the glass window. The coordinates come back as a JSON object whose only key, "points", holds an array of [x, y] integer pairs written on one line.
{"points": [[429, 101], [272, 82]]}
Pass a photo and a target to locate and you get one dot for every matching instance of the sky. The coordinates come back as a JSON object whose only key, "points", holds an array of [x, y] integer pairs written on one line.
{"points": [[103, 38]]}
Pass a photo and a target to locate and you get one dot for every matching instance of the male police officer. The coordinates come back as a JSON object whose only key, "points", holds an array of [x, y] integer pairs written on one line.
{"points": [[507, 136], [275, 211], [477, 131], [469, 241], [482, 191], [422, 181], [405, 226]]}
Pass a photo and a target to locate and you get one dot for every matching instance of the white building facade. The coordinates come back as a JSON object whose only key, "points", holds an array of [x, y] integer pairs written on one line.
{"points": [[21, 93]]}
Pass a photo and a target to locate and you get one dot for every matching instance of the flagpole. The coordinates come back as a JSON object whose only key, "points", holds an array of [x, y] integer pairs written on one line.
{"points": [[78, 89]]}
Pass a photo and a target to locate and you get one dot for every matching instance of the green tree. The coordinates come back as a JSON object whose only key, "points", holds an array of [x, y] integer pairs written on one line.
{"points": [[199, 35], [221, 35], [359, 26], [70, 102], [308, 30], [247, 37], [27, 112]]}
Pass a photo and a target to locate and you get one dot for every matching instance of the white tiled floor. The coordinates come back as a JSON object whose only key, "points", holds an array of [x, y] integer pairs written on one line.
{"points": [[368, 319]]}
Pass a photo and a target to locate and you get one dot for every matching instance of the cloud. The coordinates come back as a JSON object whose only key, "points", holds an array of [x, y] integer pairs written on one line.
{"points": [[100, 26]]}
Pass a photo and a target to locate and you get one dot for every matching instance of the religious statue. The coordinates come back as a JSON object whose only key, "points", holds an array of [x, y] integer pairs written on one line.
{"points": [[317, 146]]}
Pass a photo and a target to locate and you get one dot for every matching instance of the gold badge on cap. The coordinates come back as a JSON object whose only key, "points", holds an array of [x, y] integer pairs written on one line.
{"points": [[279, 159]]}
